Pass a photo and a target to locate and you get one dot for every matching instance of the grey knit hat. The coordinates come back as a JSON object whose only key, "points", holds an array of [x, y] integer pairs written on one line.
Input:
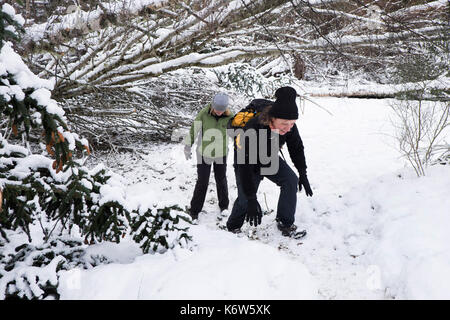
{"points": [[220, 102]]}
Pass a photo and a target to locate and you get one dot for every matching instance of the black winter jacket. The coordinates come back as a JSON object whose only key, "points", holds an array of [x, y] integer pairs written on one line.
{"points": [[248, 170]]}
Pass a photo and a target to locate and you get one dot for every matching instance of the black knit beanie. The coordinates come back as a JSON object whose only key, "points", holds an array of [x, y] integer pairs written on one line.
{"points": [[284, 106]]}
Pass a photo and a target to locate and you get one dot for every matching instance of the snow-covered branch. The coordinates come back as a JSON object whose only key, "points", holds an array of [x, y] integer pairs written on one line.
{"points": [[150, 38]]}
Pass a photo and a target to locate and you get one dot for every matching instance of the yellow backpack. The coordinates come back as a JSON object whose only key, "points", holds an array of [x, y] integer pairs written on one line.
{"points": [[252, 110], [241, 118]]}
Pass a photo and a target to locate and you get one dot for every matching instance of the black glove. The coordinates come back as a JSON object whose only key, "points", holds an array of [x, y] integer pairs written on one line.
{"points": [[254, 213], [187, 152], [303, 181]]}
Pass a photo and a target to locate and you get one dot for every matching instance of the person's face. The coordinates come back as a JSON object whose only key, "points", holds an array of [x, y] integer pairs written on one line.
{"points": [[281, 126], [219, 113]]}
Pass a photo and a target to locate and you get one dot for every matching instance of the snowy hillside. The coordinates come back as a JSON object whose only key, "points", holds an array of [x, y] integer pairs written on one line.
{"points": [[129, 76], [375, 230]]}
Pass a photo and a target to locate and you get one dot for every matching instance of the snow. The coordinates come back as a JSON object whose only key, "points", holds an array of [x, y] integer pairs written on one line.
{"points": [[10, 148], [353, 40], [216, 57], [67, 135], [159, 67], [12, 64], [222, 267], [9, 10], [134, 5], [110, 193], [31, 163], [26, 276], [420, 7], [43, 97], [375, 230], [77, 18], [440, 83], [413, 248], [221, 57], [10, 61], [86, 183]]}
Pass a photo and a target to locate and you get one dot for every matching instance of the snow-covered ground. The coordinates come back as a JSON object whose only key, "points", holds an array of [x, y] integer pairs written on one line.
{"points": [[375, 230]]}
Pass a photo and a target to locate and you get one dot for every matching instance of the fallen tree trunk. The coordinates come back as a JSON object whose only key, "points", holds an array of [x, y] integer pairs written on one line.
{"points": [[438, 89], [360, 95]]}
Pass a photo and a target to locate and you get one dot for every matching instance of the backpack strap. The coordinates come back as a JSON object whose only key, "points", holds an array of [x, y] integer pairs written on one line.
{"points": [[282, 155]]}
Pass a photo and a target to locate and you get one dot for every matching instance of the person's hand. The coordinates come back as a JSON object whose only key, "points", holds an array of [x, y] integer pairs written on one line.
{"points": [[254, 213], [303, 182], [187, 152]]}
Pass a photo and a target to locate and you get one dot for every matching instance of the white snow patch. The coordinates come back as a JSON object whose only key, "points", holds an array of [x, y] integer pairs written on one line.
{"points": [[222, 267]]}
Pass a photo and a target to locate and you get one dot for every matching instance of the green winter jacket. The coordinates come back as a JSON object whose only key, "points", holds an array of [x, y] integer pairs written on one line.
{"points": [[214, 140]]}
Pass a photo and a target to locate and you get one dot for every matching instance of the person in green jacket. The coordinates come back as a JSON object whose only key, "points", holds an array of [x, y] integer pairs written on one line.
{"points": [[209, 128]]}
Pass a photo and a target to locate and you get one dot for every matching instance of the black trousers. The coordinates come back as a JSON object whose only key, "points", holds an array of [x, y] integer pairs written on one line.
{"points": [[285, 178], [203, 173]]}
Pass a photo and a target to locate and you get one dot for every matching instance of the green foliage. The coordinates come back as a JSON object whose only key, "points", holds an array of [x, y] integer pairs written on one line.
{"points": [[27, 113], [79, 198], [56, 188], [429, 61], [158, 230], [77, 201], [16, 193], [247, 80], [31, 272], [53, 186], [419, 67], [74, 199], [10, 30]]}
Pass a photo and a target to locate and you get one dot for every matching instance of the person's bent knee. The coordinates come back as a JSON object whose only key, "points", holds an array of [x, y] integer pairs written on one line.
{"points": [[291, 182]]}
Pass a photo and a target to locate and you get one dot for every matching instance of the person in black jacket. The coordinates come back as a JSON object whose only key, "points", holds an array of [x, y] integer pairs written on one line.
{"points": [[257, 158]]}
